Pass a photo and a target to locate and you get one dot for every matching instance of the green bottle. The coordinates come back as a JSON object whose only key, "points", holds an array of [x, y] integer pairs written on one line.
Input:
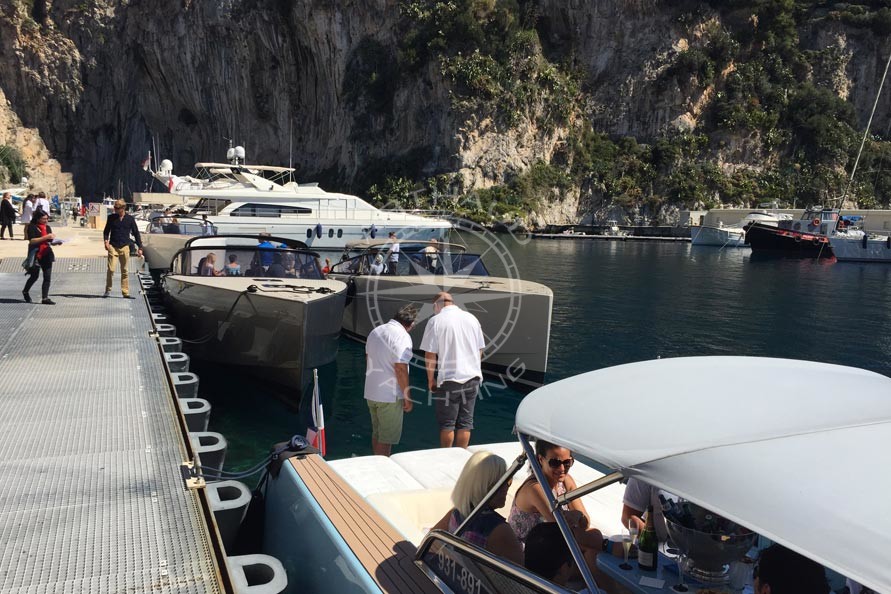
{"points": [[648, 544]]}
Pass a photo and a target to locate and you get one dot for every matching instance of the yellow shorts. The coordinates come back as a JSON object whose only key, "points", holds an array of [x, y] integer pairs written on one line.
{"points": [[386, 421]]}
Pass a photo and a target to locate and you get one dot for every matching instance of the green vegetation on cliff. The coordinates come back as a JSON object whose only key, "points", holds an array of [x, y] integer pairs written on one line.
{"points": [[764, 94], [12, 165]]}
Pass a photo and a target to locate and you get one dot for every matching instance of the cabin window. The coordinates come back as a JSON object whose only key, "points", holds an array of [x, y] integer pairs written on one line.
{"points": [[268, 210], [309, 233], [330, 232], [339, 233]]}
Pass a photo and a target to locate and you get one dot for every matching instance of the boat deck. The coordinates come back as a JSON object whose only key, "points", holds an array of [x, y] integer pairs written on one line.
{"points": [[90, 446], [385, 554]]}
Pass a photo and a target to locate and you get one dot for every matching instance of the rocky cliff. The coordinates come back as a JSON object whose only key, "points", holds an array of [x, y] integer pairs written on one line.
{"points": [[324, 84]]}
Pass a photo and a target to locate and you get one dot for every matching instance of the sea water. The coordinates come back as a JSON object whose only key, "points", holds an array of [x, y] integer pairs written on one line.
{"points": [[614, 302]]}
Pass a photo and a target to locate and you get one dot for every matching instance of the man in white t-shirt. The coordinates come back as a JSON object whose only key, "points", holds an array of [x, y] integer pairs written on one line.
{"points": [[453, 340], [387, 354]]}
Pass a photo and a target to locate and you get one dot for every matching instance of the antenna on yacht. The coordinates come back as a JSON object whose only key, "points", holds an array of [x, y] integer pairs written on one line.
{"points": [[291, 147], [866, 132]]}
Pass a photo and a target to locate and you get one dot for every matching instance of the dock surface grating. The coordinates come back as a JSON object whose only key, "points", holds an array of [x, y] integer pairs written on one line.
{"points": [[91, 497]]}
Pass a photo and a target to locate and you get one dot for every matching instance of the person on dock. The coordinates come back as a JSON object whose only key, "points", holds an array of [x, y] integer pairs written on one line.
{"points": [[118, 229], [7, 215], [453, 341], [40, 237], [28, 208], [387, 354], [42, 203]]}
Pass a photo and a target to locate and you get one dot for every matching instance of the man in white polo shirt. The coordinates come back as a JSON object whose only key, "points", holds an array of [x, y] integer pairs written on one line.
{"points": [[453, 339], [387, 354]]}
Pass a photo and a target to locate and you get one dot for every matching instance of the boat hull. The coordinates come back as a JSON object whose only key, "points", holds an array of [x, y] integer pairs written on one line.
{"points": [[515, 317], [159, 248], [765, 239], [719, 236], [278, 336], [862, 248]]}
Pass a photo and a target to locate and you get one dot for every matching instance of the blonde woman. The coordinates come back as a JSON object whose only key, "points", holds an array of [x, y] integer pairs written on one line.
{"points": [[489, 529]]}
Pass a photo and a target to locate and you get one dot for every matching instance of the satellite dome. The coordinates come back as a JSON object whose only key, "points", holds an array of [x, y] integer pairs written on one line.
{"points": [[166, 166], [239, 152], [230, 154]]}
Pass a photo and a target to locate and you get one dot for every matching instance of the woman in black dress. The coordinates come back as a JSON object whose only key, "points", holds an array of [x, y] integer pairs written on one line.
{"points": [[7, 216], [40, 236]]}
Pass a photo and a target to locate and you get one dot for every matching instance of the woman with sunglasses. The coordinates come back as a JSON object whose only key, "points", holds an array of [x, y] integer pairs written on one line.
{"points": [[530, 507]]}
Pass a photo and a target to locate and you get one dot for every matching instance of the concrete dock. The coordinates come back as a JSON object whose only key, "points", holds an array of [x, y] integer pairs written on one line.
{"points": [[91, 442]]}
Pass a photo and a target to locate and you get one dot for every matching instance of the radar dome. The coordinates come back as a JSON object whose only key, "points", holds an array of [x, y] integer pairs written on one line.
{"points": [[239, 152], [230, 154], [166, 166]]}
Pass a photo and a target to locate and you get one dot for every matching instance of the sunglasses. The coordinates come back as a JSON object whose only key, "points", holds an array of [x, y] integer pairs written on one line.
{"points": [[556, 463]]}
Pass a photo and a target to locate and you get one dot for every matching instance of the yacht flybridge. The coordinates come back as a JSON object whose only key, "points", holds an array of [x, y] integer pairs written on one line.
{"points": [[252, 199]]}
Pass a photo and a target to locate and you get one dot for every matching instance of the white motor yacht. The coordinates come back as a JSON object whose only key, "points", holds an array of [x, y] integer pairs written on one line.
{"points": [[515, 315], [265, 308], [253, 199], [764, 457]]}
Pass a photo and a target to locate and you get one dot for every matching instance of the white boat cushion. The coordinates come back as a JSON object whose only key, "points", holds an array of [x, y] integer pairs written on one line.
{"points": [[374, 474]]}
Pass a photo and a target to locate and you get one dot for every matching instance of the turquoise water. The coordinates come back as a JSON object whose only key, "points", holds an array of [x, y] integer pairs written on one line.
{"points": [[614, 302]]}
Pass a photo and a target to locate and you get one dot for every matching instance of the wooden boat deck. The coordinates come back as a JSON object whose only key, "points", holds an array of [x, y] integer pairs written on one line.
{"points": [[382, 551]]}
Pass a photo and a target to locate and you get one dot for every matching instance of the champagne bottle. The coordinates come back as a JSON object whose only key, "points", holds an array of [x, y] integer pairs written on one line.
{"points": [[648, 544]]}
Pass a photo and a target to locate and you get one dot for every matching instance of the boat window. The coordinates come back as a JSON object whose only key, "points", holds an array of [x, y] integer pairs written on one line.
{"points": [[210, 206], [268, 210], [339, 233], [176, 226], [349, 266], [309, 233], [330, 232], [249, 261]]}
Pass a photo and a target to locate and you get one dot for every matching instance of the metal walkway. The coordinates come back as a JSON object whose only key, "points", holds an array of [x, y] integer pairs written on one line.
{"points": [[91, 498]]}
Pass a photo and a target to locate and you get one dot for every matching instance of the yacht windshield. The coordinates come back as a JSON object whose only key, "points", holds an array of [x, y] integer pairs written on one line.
{"points": [[254, 262], [418, 263]]}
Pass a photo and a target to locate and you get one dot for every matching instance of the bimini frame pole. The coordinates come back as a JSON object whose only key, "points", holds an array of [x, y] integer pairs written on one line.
{"points": [[574, 548]]}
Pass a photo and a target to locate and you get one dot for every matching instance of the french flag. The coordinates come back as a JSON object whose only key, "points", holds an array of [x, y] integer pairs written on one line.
{"points": [[315, 432]]}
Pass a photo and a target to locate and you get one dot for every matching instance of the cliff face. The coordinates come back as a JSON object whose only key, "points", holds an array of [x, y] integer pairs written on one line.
{"points": [[102, 80]]}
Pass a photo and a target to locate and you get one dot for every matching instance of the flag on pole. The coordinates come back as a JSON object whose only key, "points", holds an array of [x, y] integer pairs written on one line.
{"points": [[315, 433]]}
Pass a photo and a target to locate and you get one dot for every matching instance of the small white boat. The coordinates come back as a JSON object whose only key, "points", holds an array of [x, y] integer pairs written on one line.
{"points": [[268, 310], [515, 314], [856, 245]]}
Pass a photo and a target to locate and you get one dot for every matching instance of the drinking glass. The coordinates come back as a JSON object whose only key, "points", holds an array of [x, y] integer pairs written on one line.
{"points": [[681, 586], [626, 548]]}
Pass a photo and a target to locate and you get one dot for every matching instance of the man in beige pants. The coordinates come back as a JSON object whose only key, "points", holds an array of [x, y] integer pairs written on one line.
{"points": [[118, 229]]}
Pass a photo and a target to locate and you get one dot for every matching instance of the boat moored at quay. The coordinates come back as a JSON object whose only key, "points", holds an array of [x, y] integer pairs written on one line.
{"points": [[515, 314], [807, 237], [370, 518], [251, 199], [266, 309]]}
